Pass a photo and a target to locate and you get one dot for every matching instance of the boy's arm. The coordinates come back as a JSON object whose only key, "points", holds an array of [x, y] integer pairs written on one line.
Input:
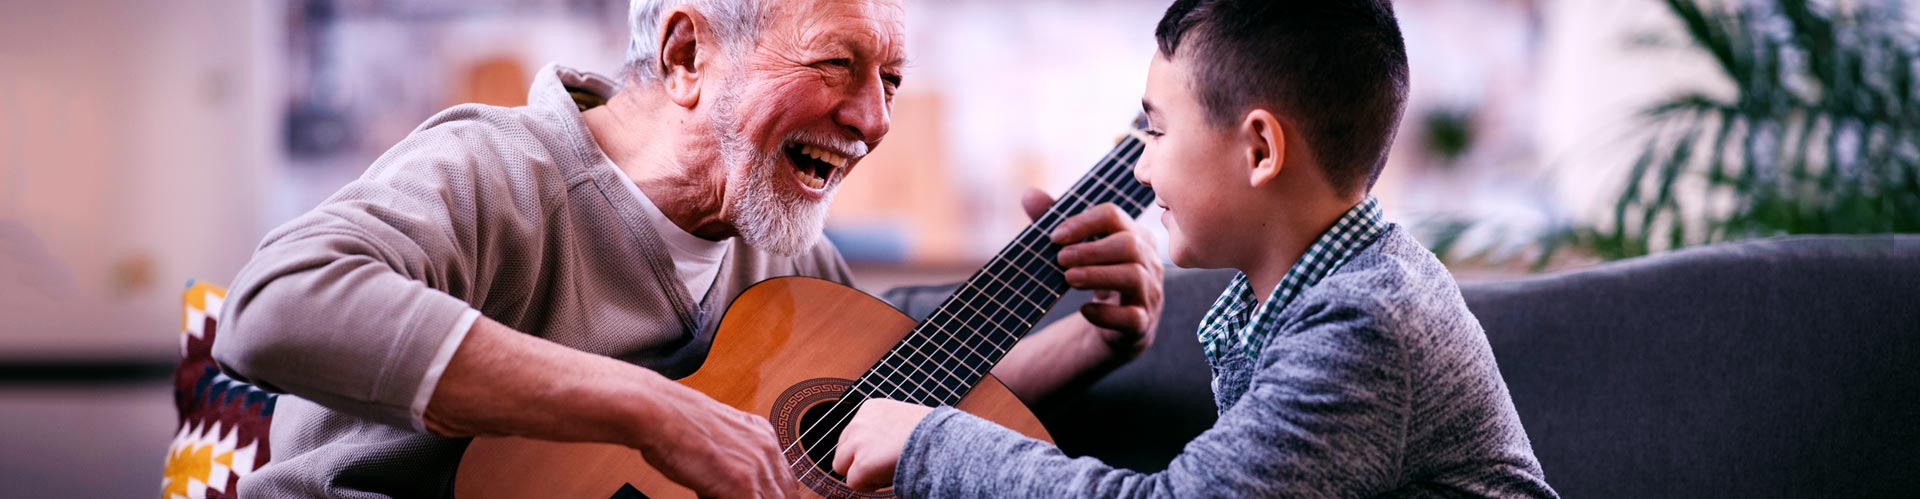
{"points": [[1326, 415]]}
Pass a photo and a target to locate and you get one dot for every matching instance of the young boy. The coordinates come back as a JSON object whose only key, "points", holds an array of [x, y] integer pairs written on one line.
{"points": [[1345, 362]]}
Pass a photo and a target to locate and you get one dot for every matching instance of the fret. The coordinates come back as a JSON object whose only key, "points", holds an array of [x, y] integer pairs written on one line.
{"points": [[905, 392], [1009, 290], [959, 343], [948, 344], [952, 345]]}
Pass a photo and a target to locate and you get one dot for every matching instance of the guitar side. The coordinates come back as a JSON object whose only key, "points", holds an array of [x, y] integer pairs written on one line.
{"points": [[781, 340]]}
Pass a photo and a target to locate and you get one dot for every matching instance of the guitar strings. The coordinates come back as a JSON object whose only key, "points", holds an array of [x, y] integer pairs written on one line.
{"points": [[951, 345], [1073, 198], [938, 324], [1071, 194], [1020, 289]]}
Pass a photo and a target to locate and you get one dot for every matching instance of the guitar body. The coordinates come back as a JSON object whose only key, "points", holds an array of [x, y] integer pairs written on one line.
{"points": [[786, 348]]}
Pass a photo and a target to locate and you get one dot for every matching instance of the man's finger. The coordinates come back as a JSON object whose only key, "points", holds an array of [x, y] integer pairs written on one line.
{"points": [[1108, 250], [1036, 202], [1116, 317], [783, 477], [1130, 279], [1100, 220]]}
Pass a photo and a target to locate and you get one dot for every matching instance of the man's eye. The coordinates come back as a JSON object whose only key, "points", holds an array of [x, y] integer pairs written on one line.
{"points": [[838, 63]]}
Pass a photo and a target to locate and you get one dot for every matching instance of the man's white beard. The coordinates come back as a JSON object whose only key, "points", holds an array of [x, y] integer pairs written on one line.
{"points": [[770, 218]]}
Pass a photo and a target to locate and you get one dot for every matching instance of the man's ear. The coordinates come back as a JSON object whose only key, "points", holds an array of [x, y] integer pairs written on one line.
{"points": [[682, 33], [1265, 142]]}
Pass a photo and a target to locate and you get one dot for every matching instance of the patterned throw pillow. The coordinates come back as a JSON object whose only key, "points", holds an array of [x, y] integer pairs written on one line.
{"points": [[223, 422]]}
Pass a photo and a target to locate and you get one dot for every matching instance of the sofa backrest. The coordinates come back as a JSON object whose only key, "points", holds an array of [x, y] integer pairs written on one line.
{"points": [[1785, 367]]}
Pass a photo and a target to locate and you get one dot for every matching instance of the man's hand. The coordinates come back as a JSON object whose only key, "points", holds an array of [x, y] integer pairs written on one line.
{"points": [[1123, 271], [716, 450], [502, 382], [870, 445], [1121, 268]]}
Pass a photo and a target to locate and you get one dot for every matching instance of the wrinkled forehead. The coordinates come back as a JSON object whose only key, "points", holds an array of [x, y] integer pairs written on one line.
{"points": [[869, 28]]}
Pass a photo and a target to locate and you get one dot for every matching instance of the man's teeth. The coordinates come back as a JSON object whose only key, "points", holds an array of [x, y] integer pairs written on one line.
{"points": [[812, 181], [832, 158]]}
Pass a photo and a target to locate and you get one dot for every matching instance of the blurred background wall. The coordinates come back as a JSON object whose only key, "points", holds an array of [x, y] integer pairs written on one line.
{"points": [[146, 144]]}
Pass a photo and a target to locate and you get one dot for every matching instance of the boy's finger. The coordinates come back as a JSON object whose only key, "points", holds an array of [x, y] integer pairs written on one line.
{"points": [[1099, 220], [843, 460], [866, 478]]}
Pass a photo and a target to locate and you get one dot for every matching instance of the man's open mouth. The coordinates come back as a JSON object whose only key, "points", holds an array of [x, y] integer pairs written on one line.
{"points": [[816, 165]]}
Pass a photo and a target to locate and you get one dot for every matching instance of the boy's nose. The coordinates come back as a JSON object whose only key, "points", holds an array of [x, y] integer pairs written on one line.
{"points": [[1140, 170]]}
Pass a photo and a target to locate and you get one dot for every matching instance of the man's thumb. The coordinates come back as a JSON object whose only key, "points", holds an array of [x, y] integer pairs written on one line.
{"points": [[1036, 202]]}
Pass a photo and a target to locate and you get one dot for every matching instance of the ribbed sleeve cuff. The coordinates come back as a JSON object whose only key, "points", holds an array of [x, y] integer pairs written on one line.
{"points": [[409, 359], [438, 366]]}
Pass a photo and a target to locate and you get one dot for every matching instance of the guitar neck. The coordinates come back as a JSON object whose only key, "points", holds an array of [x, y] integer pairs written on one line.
{"points": [[961, 341]]}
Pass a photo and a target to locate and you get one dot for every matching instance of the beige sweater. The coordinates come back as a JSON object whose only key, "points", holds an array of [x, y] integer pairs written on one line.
{"points": [[514, 212]]}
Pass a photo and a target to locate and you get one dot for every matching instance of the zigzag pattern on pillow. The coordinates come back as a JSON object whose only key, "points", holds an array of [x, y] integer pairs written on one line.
{"points": [[223, 421]]}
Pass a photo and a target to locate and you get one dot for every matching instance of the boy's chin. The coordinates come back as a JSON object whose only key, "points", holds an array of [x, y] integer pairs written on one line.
{"points": [[1181, 255], [1187, 255]]}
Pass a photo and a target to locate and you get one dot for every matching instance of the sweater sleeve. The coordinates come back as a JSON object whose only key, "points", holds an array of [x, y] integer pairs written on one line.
{"points": [[348, 304], [1325, 415]]}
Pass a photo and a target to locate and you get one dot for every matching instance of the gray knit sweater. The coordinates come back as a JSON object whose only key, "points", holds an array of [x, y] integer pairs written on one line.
{"points": [[514, 212], [1379, 382]]}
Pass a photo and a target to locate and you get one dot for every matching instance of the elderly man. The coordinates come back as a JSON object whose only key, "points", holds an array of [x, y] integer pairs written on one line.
{"points": [[544, 271]]}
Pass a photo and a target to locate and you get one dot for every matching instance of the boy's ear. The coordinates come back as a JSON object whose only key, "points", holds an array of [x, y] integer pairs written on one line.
{"points": [[681, 57], [1265, 142]]}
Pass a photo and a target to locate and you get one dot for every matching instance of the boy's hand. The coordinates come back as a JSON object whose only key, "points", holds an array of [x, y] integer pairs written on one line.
{"points": [[870, 445], [1122, 268]]}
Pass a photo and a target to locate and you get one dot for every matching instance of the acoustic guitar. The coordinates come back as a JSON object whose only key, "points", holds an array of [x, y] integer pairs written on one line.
{"points": [[806, 352]]}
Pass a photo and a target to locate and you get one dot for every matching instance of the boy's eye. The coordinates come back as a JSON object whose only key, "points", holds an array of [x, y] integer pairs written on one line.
{"points": [[1154, 133]]}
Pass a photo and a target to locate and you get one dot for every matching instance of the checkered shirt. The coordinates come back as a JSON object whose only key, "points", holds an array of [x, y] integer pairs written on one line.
{"points": [[1234, 326]]}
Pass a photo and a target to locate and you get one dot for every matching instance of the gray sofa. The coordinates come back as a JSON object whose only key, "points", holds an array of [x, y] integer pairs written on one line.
{"points": [[1786, 367]]}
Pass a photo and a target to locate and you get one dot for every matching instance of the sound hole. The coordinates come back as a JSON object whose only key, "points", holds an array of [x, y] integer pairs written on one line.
{"points": [[820, 439], [808, 418]]}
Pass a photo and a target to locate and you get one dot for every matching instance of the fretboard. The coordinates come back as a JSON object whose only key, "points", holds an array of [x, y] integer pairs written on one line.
{"points": [[961, 341]]}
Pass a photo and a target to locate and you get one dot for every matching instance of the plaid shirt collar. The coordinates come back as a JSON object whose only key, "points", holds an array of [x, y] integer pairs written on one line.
{"points": [[1235, 326]]}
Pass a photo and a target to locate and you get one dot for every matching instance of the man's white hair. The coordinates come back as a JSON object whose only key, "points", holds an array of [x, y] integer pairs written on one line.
{"points": [[736, 24]]}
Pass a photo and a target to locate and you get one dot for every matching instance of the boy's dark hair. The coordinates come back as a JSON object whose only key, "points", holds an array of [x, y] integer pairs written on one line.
{"points": [[1337, 68]]}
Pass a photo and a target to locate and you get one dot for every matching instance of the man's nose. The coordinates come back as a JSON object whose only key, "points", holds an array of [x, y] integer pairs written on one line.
{"points": [[866, 111]]}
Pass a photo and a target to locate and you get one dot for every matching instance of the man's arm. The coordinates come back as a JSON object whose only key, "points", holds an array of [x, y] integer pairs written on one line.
{"points": [[498, 373], [351, 305], [1124, 272]]}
